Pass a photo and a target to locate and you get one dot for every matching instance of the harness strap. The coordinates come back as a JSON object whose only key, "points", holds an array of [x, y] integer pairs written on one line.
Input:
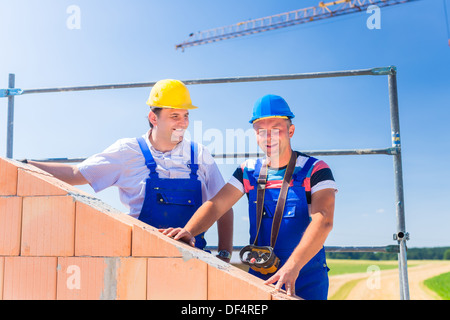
{"points": [[278, 215], [261, 186], [260, 191]]}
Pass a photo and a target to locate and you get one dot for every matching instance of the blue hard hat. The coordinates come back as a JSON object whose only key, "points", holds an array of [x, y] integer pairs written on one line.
{"points": [[271, 106]]}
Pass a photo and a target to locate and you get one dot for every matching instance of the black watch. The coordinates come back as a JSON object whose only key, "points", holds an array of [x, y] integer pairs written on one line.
{"points": [[224, 254]]}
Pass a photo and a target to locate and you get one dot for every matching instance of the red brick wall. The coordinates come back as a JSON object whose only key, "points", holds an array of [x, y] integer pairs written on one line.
{"points": [[57, 242]]}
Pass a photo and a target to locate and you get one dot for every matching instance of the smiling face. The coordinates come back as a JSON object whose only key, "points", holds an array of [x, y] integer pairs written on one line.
{"points": [[169, 125], [273, 136]]}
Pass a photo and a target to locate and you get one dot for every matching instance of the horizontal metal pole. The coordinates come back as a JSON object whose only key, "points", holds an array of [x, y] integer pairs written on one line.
{"points": [[387, 249], [387, 151], [296, 76], [59, 160]]}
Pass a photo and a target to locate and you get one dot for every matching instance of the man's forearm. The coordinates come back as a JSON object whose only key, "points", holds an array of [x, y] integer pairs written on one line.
{"points": [[312, 241], [225, 231], [65, 172], [203, 219]]}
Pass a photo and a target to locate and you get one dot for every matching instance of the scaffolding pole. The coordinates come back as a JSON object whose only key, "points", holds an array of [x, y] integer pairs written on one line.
{"points": [[10, 121], [401, 235]]}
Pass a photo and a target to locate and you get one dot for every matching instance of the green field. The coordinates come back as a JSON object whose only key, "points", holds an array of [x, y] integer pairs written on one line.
{"points": [[343, 266], [440, 284]]}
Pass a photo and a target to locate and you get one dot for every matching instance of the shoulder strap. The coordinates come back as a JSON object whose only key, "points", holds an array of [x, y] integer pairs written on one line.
{"points": [[149, 161], [194, 163]]}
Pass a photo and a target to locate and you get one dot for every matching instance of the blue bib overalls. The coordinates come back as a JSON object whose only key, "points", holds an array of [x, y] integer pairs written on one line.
{"points": [[312, 282], [171, 202]]}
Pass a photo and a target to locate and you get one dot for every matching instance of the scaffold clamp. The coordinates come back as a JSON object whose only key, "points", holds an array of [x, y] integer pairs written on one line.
{"points": [[10, 92], [384, 71], [401, 236]]}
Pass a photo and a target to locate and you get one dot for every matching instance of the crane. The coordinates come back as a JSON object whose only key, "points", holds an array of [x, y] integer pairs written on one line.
{"points": [[282, 20]]}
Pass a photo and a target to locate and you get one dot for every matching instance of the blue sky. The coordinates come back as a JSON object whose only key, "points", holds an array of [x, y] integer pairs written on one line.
{"points": [[134, 41]]}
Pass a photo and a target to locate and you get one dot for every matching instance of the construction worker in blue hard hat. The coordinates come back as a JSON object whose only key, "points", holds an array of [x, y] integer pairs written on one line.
{"points": [[291, 207], [162, 177]]}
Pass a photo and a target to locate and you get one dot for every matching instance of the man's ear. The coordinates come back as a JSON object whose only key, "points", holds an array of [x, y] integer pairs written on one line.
{"points": [[291, 130], [152, 118]]}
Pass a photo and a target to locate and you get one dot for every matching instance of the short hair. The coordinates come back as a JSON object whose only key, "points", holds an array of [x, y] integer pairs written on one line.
{"points": [[156, 111], [288, 121]]}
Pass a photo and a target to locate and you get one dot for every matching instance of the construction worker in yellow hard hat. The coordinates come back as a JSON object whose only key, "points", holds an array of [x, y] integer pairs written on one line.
{"points": [[162, 177]]}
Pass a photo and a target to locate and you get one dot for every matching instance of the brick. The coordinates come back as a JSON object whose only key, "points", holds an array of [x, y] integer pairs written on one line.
{"points": [[95, 278], [283, 296], [176, 279], [149, 242], [29, 278], [100, 233], [31, 183], [48, 226], [132, 279], [235, 284], [2, 267], [10, 225], [8, 178]]}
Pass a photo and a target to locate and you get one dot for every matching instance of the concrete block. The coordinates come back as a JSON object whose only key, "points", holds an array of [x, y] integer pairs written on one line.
{"points": [[176, 279], [29, 278], [10, 225], [48, 226], [8, 178], [95, 278], [100, 233]]}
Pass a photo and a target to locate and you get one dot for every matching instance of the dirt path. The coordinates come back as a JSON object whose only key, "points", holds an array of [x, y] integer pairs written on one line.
{"points": [[385, 284]]}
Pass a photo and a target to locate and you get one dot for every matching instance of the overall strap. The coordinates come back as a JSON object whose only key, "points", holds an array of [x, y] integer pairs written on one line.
{"points": [[303, 173], [149, 161], [194, 165]]}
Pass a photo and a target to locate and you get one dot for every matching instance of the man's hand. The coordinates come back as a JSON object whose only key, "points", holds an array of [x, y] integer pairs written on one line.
{"points": [[179, 234], [286, 275]]}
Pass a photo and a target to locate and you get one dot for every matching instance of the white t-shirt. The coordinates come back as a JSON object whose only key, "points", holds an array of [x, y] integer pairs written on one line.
{"points": [[123, 165]]}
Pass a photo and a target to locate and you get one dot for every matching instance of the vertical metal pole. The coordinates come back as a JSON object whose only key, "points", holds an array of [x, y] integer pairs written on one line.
{"points": [[10, 121], [401, 235]]}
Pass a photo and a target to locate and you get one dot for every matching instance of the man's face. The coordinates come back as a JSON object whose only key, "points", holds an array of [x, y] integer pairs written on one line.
{"points": [[273, 135], [171, 123]]}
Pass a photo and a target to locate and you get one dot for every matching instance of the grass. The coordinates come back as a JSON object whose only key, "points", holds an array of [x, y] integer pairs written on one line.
{"points": [[344, 290], [344, 266], [440, 284]]}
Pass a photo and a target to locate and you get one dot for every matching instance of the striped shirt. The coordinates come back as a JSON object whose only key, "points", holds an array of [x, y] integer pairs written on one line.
{"points": [[318, 178]]}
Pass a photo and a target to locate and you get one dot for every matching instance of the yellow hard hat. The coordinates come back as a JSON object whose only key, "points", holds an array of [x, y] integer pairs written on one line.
{"points": [[170, 93]]}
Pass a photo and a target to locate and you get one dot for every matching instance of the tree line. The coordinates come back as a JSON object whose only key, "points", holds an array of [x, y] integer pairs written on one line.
{"points": [[435, 253]]}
